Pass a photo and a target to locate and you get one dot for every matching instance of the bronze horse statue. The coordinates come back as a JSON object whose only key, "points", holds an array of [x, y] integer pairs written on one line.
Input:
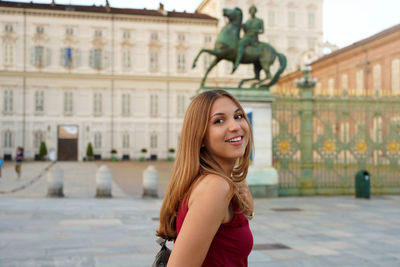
{"points": [[262, 56]]}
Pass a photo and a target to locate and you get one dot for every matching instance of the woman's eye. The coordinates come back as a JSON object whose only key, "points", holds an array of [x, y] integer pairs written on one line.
{"points": [[218, 121], [239, 116]]}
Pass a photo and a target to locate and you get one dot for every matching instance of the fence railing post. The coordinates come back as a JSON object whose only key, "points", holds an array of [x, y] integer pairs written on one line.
{"points": [[306, 84]]}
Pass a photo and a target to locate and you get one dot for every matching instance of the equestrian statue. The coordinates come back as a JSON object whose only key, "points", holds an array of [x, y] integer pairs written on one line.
{"points": [[247, 50]]}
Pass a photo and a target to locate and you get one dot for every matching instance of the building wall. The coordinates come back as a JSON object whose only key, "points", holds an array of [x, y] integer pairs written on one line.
{"points": [[171, 87], [369, 67]]}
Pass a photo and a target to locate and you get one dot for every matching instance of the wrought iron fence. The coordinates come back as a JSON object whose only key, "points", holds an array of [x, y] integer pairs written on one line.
{"points": [[349, 133]]}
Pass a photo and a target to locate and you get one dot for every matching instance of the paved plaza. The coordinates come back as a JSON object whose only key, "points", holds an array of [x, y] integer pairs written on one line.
{"points": [[80, 230]]}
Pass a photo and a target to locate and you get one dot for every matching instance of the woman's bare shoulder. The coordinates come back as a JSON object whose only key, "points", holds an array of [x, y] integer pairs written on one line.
{"points": [[211, 186]]}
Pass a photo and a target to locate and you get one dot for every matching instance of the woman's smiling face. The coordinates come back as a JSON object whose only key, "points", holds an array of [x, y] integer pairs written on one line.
{"points": [[227, 132]]}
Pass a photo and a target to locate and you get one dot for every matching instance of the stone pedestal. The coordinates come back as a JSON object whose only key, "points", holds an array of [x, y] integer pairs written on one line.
{"points": [[55, 182], [150, 182], [103, 182], [262, 177]]}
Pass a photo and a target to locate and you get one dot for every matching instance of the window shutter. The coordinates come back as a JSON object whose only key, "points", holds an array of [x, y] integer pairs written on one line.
{"points": [[105, 60], [48, 57], [32, 55], [62, 56], [91, 58], [76, 57]]}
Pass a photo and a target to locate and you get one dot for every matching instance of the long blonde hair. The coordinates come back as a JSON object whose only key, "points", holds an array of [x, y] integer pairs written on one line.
{"points": [[192, 160]]}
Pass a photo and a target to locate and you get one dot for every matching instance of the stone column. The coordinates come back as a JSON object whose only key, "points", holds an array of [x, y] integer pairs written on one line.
{"points": [[306, 84], [262, 177]]}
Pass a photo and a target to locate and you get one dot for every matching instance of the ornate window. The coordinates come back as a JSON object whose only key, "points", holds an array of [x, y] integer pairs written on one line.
{"points": [[8, 48], [396, 77], [126, 35], [97, 104], [331, 86], [8, 28], [153, 105], [345, 83], [7, 139], [68, 102], [126, 57], [181, 37], [8, 98], [38, 137], [271, 18], [97, 140], [126, 104], [153, 140], [96, 58], [125, 140], [180, 105], [360, 82], [39, 29], [39, 101], [98, 33], [153, 60], [376, 73], [311, 20], [67, 57], [69, 31], [154, 36], [40, 56], [291, 19], [181, 61], [318, 88]]}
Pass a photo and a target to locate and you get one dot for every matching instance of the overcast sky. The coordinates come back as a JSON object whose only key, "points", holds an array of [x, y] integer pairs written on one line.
{"points": [[344, 21]]}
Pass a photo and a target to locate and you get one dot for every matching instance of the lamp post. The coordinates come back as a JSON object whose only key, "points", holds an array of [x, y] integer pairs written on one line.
{"points": [[306, 84]]}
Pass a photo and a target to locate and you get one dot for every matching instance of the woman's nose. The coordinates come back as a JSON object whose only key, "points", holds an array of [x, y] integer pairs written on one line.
{"points": [[234, 125]]}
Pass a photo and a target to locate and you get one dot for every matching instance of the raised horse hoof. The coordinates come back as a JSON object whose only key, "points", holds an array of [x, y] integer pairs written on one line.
{"points": [[234, 69]]}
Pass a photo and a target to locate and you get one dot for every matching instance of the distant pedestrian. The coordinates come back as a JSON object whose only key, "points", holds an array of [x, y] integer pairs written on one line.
{"points": [[18, 160], [1, 163]]}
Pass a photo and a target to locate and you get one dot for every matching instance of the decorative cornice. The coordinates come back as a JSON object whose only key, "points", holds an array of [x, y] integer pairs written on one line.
{"points": [[126, 77], [107, 16]]}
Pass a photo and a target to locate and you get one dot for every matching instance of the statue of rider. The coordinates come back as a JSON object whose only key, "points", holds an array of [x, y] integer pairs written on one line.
{"points": [[252, 28]]}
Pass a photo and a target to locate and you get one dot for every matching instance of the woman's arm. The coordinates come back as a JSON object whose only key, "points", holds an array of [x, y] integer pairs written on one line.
{"points": [[208, 206]]}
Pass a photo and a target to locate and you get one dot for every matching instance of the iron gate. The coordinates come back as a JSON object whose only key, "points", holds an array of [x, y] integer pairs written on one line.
{"points": [[348, 134]]}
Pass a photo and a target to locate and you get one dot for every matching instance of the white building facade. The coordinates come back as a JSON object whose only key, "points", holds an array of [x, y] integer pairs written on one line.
{"points": [[117, 78]]}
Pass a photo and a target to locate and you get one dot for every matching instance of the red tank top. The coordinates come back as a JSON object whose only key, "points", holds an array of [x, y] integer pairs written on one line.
{"points": [[232, 243]]}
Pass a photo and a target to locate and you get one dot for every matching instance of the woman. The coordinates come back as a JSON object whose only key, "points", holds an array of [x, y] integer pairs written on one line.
{"points": [[208, 202]]}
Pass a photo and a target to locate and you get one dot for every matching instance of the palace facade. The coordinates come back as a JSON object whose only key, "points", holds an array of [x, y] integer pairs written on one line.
{"points": [[118, 78], [369, 67]]}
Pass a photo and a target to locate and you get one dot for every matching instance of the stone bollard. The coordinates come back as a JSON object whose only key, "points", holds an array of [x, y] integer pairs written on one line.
{"points": [[55, 180], [150, 182], [103, 182]]}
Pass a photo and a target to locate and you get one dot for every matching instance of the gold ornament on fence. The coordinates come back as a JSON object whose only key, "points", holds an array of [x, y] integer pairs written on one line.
{"points": [[393, 147], [329, 146], [362, 146], [284, 146]]}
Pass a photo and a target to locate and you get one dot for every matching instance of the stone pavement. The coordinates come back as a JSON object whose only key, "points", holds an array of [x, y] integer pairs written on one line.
{"points": [[80, 230]]}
